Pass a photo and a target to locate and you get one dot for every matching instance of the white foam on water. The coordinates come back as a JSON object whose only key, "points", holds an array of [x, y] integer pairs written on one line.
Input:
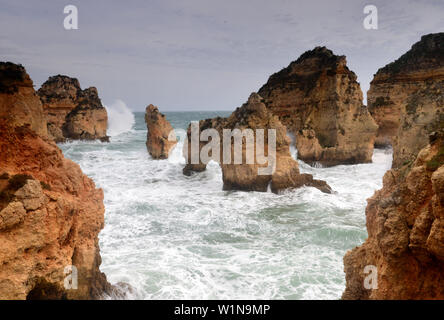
{"points": [[120, 118], [176, 237]]}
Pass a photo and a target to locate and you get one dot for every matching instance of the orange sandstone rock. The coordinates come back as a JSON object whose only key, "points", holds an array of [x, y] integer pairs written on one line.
{"points": [[160, 138], [19, 104], [50, 212], [253, 115], [73, 113], [320, 102], [411, 85], [405, 224]]}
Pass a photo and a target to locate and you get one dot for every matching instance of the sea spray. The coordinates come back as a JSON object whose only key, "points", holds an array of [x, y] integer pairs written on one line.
{"points": [[173, 236], [120, 118]]}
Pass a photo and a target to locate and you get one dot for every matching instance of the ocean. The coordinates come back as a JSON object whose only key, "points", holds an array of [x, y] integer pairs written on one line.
{"points": [[176, 237]]}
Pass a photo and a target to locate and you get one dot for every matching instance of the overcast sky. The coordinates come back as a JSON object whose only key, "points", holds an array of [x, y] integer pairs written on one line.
{"points": [[202, 54]]}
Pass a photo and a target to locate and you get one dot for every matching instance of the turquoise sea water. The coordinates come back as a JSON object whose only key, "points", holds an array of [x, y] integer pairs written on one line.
{"points": [[177, 237]]}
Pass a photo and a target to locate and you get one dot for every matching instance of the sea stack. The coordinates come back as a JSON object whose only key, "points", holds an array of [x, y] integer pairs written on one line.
{"points": [[406, 98], [317, 97], [50, 212], [160, 137], [73, 113], [253, 115]]}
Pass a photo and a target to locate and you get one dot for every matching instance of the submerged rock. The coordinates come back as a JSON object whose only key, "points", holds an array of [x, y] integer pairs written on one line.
{"points": [[406, 98], [320, 102], [50, 212], [73, 113], [254, 116], [405, 224], [160, 138]]}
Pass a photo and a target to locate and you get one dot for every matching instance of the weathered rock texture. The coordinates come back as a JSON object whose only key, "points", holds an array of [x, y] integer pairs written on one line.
{"points": [[50, 212], [73, 113], [319, 100], [254, 115], [19, 103], [405, 224], [159, 142], [405, 98]]}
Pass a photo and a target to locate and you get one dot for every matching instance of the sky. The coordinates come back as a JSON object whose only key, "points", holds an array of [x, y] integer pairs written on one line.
{"points": [[202, 54]]}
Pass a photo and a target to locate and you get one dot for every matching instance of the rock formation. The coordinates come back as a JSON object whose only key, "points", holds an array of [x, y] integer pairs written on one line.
{"points": [[253, 115], [405, 224], [73, 113], [412, 85], [319, 100], [50, 212], [160, 138], [19, 103]]}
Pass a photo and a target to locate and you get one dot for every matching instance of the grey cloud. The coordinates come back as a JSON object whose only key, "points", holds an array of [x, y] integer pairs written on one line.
{"points": [[201, 54]]}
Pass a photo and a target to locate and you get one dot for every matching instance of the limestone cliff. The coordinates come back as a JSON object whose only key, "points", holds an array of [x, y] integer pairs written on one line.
{"points": [[320, 101], [405, 224], [50, 212], [253, 115], [19, 103], [73, 113], [159, 143], [413, 85]]}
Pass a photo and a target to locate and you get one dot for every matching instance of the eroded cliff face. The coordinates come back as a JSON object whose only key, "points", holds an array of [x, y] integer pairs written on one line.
{"points": [[319, 100], [73, 113], [159, 142], [405, 224], [254, 116], [50, 212], [414, 81], [19, 103]]}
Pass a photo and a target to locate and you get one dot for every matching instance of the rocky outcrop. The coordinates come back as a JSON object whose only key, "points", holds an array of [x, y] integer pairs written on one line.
{"points": [[19, 104], [254, 116], [50, 212], [412, 85], [160, 137], [73, 113], [405, 224], [319, 100]]}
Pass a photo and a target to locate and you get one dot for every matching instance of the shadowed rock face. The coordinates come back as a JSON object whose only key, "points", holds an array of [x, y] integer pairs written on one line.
{"points": [[19, 104], [405, 224], [50, 212], [254, 115], [319, 101], [73, 113], [159, 129], [405, 98]]}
